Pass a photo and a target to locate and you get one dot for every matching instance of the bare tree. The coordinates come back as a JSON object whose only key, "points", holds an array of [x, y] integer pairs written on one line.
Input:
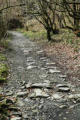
{"points": [[73, 9], [44, 12]]}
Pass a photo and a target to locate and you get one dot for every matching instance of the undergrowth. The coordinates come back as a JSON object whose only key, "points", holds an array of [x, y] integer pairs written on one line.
{"points": [[3, 72], [36, 36], [68, 37], [3, 77], [4, 43], [65, 36]]}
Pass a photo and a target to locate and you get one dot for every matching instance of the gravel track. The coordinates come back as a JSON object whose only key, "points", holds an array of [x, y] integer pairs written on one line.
{"points": [[30, 65]]}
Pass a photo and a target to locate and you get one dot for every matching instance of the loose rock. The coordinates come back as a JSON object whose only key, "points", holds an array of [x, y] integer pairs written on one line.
{"points": [[39, 85], [13, 113], [63, 89], [61, 85], [16, 118], [56, 96], [9, 93], [21, 94], [54, 71], [74, 96], [39, 52], [51, 63], [39, 93], [62, 76], [31, 67]]}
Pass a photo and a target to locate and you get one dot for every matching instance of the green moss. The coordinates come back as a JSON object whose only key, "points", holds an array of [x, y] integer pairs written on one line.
{"points": [[3, 67], [2, 57], [3, 72]]}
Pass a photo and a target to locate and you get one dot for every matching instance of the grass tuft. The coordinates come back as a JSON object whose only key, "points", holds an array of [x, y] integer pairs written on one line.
{"points": [[39, 36], [34, 35]]}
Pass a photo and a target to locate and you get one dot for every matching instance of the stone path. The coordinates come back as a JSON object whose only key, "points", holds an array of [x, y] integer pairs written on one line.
{"points": [[37, 87]]}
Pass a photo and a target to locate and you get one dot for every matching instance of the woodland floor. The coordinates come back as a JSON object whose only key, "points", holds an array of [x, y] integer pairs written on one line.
{"points": [[39, 82], [66, 58]]}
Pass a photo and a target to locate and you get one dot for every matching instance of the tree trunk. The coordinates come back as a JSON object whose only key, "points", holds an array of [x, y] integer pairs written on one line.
{"points": [[76, 24], [55, 31], [48, 35], [76, 21]]}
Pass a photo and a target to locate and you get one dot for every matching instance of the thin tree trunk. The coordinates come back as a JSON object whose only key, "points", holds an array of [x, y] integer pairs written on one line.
{"points": [[49, 35], [76, 24], [76, 21]]}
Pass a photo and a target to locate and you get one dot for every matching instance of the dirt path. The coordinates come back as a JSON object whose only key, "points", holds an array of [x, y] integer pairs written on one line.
{"points": [[41, 90]]}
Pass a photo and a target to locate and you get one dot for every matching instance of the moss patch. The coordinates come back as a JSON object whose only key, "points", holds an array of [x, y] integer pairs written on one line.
{"points": [[3, 72], [2, 57]]}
